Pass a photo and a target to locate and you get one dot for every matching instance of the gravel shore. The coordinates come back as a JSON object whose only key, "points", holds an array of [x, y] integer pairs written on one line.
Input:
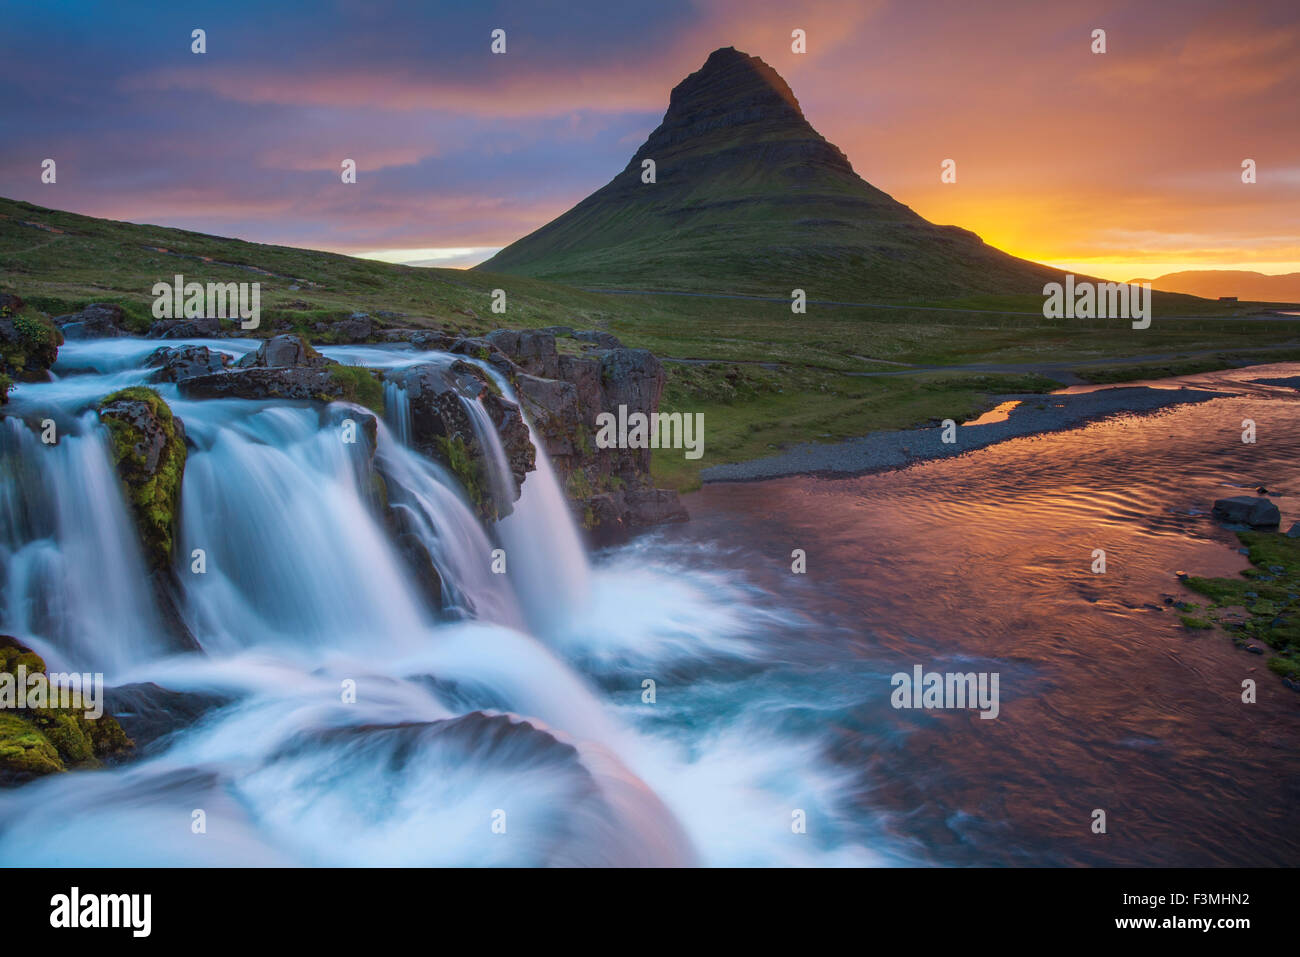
{"points": [[882, 451]]}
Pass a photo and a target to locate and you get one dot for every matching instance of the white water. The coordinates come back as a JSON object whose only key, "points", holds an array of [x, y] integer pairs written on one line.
{"points": [[460, 715]]}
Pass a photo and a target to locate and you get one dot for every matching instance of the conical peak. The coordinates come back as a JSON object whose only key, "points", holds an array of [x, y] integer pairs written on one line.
{"points": [[731, 80], [732, 95]]}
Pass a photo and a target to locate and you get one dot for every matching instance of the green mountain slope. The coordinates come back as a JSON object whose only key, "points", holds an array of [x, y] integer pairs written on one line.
{"points": [[749, 198]]}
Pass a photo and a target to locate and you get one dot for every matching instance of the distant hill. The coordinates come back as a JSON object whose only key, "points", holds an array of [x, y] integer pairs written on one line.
{"points": [[749, 198], [1245, 285]]}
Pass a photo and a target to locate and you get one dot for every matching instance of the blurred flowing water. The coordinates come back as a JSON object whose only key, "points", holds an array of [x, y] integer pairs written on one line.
{"points": [[681, 699]]}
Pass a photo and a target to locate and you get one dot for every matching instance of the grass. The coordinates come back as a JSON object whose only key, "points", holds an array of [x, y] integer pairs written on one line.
{"points": [[360, 385], [770, 377], [752, 412], [1264, 604]]}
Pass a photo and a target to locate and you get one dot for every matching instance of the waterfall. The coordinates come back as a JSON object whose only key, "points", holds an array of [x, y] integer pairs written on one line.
{"points": [[71, 562], [294, 582], [550, 568], [371, 691]]}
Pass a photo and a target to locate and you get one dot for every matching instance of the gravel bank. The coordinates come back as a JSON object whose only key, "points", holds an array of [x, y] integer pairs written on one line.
{"points": [[882, 451]]}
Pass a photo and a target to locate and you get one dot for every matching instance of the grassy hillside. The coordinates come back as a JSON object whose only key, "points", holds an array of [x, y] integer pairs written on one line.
{"points": [[763, 376]]}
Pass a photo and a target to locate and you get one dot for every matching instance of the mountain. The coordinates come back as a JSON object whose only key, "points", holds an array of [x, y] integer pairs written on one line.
{"points": [[1245, 285], [751, 199]]}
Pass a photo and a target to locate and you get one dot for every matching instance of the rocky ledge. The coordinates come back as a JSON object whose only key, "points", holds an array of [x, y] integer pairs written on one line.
{"points": [[563, 378]]}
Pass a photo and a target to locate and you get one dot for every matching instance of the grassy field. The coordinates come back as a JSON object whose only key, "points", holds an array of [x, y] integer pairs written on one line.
{"points": [[763, 376]]}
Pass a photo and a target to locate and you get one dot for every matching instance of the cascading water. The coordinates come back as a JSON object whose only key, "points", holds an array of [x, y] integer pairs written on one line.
{"points": [[347, 716]]}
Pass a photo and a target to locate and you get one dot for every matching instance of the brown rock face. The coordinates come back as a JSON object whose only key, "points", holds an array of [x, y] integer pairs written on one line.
{"points": [[563, 394]]}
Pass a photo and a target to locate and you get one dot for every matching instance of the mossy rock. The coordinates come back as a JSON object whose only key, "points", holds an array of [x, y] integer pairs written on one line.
{"points": [[29, 342], [148, 448], [470, 470], [38, 741]]}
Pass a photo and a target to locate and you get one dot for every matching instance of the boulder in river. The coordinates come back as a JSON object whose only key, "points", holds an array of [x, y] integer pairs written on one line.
{"points": [[1257, 512], [147, 445], [287, 367], [99, 320], [175, 363]]}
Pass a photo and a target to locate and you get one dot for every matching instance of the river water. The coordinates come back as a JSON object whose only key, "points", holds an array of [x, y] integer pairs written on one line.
{"points": [[685, 698]]}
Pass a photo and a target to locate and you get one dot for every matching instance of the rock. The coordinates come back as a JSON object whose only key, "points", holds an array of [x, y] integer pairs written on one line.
{"points": [[282, 383], [1294, 530], [563, 395], [36, 741], [149, 713], [552, 405], [147, 445], [1248, 510], [284, 367], [204, 327], [357, 328], [654, 506], [175, 363], [29, 342], [284, 352], [100, 320], [442, 428], [532, 351]]}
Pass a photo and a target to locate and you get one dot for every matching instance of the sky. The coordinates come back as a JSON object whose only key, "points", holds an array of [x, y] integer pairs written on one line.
{"points": [[1122, 164]]}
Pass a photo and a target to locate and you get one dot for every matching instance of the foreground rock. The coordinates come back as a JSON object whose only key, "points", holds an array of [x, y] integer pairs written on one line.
{"points": [[1248, 510], [147, 445], [36, 741]]}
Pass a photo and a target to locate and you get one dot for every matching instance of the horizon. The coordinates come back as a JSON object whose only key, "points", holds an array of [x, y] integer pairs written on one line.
{"points": [[461, 152]]}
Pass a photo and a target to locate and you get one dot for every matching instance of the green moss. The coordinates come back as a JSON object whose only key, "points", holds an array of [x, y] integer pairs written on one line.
{"points": [[36, 344], [154, 495], [24, 750], [578, 486], [1268, 594], [39, 741], [6, 383], [469, 471], [358, 384], [1192, 621]]}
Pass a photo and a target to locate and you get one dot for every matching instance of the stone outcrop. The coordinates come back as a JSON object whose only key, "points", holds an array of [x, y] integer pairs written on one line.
{"points": [[147, 445], [175, 363], [100, 320], [442, 428], [203, 327], [284, 367], [29, 343], [563, 392]]}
